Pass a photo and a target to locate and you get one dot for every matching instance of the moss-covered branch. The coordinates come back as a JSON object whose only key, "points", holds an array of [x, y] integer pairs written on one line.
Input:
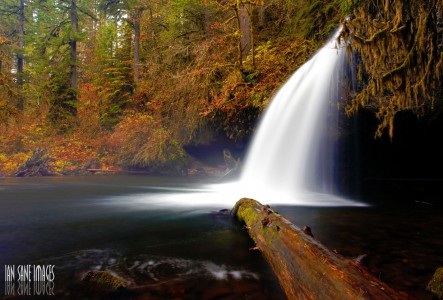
{"points": [[373, 36]]}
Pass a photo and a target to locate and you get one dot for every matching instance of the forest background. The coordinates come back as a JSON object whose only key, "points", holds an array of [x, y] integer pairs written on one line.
{"points": [[131, 83]]}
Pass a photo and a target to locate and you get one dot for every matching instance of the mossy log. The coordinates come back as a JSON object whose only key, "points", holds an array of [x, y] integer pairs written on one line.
{"points": [[305, 268]]}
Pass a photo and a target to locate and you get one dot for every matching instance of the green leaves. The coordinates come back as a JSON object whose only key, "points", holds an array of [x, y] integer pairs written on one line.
{"points": [[347, 6]]}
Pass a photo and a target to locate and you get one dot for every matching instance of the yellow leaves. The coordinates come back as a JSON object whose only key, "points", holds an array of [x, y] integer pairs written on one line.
{"points": [[72, 148], [10, 163], [3, 40], [61, 166], [139, 140]]}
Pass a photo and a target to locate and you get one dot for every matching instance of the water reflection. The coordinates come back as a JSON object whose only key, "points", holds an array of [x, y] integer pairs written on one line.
{"points": [[115, 224], [142, 229]]}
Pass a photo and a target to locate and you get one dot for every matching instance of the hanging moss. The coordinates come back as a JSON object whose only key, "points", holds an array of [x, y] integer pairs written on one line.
{"points": [[401, 64]]}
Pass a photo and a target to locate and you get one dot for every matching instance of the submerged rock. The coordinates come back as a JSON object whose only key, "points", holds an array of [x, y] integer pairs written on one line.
{"points": [[221, 212], [435, 286], [104, 279]]}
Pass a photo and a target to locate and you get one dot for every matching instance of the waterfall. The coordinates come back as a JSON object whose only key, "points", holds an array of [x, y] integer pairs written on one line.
{"points": [[291, 158]]}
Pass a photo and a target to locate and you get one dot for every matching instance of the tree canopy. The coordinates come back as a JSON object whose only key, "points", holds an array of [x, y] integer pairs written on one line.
{"points": [[133, 81]]}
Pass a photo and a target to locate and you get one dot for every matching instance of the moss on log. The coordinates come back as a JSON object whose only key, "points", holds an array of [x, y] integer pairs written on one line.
{"points": [[435, 286], [304, 267]]}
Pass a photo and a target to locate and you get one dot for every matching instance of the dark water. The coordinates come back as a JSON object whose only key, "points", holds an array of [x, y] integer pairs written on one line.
{"points": [[117, 223], [95, 223]]}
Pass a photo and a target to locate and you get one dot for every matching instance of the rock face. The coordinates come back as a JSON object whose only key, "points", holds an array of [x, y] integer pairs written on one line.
{"points": [[435, 286], [304, 267]]}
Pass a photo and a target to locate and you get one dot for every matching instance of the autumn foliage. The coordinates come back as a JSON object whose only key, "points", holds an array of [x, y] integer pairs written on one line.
{"points": [[151, 78], [140, 141], [193, 82]]}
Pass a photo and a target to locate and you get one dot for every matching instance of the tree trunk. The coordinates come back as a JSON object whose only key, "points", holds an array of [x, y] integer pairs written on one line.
{"points": [[261, 16], [20, 53], [73, 44], [251, 34], [245, 28], [239, 40], [439, 25], [304, 267], [136, 58]]}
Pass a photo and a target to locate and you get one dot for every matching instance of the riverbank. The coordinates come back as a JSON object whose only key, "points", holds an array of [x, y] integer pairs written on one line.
{"points": [[44, 162]]}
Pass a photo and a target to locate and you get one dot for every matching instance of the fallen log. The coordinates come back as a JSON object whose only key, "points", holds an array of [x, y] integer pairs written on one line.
{"points": [[304, 267], [104, 170]]}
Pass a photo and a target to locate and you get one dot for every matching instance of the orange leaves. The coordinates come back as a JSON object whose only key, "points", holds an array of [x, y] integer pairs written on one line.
{"points": [[3, 40], [30, 130], [73, 151], [9, 164], [72, 148], [90, 105], [24, 132], [19, 136], [139, 140]]}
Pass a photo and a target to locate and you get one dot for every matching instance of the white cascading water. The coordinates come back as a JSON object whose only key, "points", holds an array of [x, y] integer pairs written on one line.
{"points": [[291, 159], [292, 154]]}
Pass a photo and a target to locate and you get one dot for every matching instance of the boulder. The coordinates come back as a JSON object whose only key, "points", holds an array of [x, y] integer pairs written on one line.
{"points": [[435, 286]]}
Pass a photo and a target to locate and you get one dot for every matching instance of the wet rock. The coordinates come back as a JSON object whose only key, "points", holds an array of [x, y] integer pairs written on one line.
{"points": [[198, 168], [230, 161], [104, 279], [221, 212], [435, 286], [232, 165]]}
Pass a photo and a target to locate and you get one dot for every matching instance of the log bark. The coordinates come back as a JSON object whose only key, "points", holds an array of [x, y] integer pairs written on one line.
{"points": [[305, 268]]}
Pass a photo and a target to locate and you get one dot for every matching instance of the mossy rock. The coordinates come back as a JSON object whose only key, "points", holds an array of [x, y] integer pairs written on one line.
{"points": [[435, 286], [104, 279]]}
